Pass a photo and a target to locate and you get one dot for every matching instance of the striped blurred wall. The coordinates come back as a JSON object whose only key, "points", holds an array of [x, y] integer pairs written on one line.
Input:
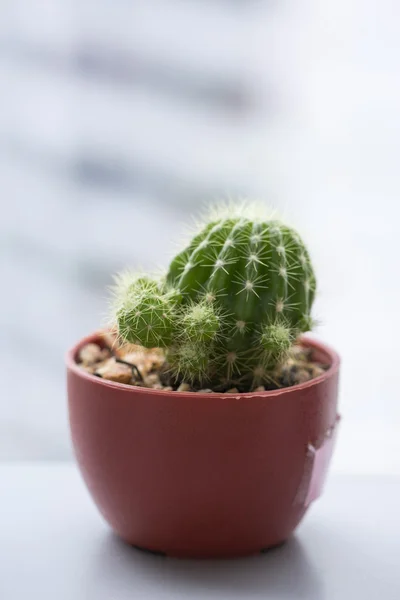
{"points": [[118, 118]]}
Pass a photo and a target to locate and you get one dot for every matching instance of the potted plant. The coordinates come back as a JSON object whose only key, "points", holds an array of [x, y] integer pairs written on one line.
{"points": [[205, 426]]}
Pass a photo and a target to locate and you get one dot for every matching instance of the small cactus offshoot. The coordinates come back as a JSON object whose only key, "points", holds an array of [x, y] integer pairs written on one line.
{"points": [[231, 304]]}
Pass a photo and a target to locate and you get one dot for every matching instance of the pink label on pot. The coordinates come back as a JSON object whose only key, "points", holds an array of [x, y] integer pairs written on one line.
{"points": [[320, 462]]}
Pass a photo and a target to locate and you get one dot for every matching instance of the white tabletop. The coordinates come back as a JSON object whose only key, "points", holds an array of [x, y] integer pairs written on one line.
{"points": [[55, 546]]}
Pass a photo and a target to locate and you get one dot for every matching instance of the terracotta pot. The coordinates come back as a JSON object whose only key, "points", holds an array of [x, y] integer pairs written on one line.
{"points": [[202, 475]]}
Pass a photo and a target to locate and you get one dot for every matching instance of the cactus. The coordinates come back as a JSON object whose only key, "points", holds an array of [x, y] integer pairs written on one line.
{"points": [[231, 304]]}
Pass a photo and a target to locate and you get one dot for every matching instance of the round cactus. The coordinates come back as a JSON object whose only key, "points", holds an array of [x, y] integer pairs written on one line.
{"points": [[142, 311], [231, 305]]}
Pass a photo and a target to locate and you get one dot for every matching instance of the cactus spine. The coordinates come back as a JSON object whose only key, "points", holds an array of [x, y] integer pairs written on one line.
{"points": [[231, 304]]}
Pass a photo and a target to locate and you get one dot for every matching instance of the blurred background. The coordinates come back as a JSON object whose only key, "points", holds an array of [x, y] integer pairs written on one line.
{"points": [[120, 118]]}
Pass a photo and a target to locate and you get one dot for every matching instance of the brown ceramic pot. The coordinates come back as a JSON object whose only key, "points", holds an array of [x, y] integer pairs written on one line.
{"points": [[202, 475]]}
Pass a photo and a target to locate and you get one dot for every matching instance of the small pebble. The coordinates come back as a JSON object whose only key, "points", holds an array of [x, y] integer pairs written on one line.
{"points": [[300, 353], [286, 377], [134, 358], [154, 359], [260, 388], [114, 371], [315, 371], [184, 387], [205, 391], [302, 375], [144, 360], [152, 380], [232, 391], [289, 363], [89, 368], [92, 353]]}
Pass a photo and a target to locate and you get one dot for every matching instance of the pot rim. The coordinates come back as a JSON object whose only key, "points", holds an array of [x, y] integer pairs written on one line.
{"points": [[307, 341]]}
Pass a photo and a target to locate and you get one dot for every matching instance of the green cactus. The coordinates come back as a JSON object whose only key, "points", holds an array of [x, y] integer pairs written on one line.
{"points": [[231, 304]]}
